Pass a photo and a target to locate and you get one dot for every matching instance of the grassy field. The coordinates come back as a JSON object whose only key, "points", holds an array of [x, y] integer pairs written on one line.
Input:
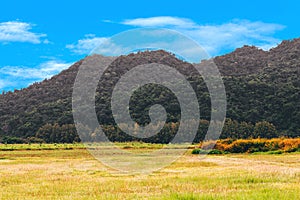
{"points": [[70, 172]]}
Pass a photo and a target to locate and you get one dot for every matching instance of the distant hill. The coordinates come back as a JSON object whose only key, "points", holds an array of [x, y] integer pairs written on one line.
{"points": [[260, 85]]}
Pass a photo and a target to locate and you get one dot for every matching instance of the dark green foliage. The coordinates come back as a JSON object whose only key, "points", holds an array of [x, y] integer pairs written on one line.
{"points": [[215, 152], [199, 151], [13, 140], [210, 152], [58, 134], [264, 130]]}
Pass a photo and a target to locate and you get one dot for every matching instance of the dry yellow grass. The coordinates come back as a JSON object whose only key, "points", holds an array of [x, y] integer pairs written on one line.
{"points": [[75, 174]]}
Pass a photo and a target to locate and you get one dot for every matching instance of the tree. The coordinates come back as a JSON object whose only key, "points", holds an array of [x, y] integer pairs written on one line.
{"points": [[245, 130], [264, 129], [58, 134]]}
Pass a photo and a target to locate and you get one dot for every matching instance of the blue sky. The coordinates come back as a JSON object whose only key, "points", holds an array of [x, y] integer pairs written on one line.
{"points": [[38, 39]]}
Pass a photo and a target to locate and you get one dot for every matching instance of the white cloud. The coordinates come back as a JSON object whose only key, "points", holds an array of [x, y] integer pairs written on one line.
{"points": [[92, 44], [107, 21], [161, 21], [14, 31], [19, 76], [214, 39], [3, 83], [217, 38], [16, 77], [86, 45], [44, 70]]}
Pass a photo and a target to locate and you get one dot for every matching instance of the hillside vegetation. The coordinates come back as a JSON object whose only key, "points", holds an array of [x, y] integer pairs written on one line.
{"points": [[262, 88]]}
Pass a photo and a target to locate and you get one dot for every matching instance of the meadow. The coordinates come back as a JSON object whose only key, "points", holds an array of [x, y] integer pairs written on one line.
{"points": [[68, 171]]}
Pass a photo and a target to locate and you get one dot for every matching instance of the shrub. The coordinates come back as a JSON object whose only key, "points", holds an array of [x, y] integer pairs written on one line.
{"points": [[13, 140], [215, 152], [255, 145], [264, 129], [211, 152], [199, 151], [34, 140]]}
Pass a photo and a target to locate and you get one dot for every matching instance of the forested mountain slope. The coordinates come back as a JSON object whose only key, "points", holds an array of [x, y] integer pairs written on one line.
{"points": [[260, 86]]}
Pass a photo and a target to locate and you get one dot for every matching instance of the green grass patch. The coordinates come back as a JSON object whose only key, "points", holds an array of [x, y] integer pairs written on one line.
{"points": [[20, 147]]}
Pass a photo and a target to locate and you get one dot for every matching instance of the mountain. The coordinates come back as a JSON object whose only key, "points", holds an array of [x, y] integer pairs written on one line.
{"points": [[264, 85], [261, 86]]}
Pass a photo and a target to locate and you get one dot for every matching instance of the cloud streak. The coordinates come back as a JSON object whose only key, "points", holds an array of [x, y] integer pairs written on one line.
{"points": [[28, 75], [14, 31], [217, 38], [87, 44], [162, 21], [44, 70]]}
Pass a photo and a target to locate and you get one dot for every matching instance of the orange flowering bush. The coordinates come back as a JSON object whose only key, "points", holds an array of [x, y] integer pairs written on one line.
{"points": [[254, 145]]}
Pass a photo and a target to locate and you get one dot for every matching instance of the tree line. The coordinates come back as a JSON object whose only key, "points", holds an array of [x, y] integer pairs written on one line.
{"points": [[54, 133]]}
